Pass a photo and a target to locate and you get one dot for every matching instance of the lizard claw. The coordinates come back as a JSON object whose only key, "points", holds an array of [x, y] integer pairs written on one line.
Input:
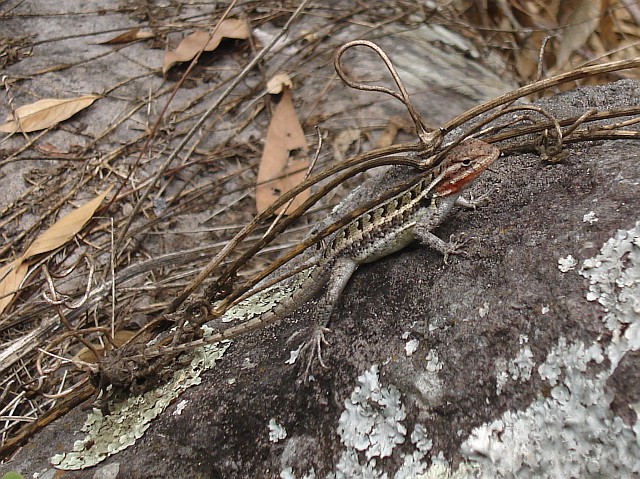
{"points": [[473, 203], [313, 349], [455, 246]]}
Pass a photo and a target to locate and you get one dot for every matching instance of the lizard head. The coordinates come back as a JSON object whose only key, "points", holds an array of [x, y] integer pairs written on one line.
{"points": [[463, 164]]}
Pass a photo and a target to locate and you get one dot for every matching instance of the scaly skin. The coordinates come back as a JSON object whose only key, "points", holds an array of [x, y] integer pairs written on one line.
{"points": [[410, 215]]}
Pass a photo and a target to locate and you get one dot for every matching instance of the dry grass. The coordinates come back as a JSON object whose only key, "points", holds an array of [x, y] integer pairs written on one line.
{"points": [[158, 231]]}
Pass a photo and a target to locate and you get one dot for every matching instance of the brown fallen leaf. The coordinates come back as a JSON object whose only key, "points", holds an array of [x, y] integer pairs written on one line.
{"points": [[11, 275], [284, 159], [343, 142], [52, 151], [88, 356], [58, 234], [127, 37], [580, 19], [388, 136], [192, 44], [65, 228], [45, 113], [278, 82]]}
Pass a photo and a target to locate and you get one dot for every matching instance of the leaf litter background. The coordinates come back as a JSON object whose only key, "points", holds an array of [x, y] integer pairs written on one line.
{"points": [[84, 85]]}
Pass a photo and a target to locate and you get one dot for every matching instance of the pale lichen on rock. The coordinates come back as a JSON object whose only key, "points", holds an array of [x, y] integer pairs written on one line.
{"points": [[571, 432], [574, 432], [277, 432], [372, 424], [131, 416], [372, 419]]}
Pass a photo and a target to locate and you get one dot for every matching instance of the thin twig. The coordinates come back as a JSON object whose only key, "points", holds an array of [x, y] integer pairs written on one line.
{"points": [[535, 87], [429, 138], [165, 165]]}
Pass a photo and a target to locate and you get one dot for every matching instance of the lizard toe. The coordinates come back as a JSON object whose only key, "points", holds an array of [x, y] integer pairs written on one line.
{"points": [[456, 247], [312, 349]]}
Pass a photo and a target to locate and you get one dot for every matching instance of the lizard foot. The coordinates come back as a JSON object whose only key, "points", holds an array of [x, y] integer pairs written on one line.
{"points": [[455, 246], [472, 203], [312, 349]]}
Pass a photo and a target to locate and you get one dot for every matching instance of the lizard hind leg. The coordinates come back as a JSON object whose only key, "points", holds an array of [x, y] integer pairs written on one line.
{"points": [[341, 272]]}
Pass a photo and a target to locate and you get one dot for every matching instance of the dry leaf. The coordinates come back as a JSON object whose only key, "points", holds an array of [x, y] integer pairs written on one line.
{"points": [[57, 235], [121, 337], [278, 82], [11, 276], [192, 44], [526, 64], [52, 151], [608, 31], [388, 136], [580, 18], [65, 228], [45, 113], [127, 37], [343, 142], [284, 159]]}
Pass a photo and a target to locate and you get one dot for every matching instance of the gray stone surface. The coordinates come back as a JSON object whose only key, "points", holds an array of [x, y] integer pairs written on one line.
{"points": [[490, 327], [513, 369], [63, 57]]}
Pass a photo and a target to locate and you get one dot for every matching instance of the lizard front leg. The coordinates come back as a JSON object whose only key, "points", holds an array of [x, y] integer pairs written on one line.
{"points": [[428, 222]]}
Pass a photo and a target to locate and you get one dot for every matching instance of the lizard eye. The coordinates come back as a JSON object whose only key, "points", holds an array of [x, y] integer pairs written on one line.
{"points": [[466, 162]]}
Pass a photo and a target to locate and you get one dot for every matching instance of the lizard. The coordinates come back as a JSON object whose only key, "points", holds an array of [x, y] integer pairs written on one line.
{"points": [[379, 231]]}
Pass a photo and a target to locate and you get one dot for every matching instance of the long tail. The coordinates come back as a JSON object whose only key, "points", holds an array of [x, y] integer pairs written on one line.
{"points": [[304, 286]]}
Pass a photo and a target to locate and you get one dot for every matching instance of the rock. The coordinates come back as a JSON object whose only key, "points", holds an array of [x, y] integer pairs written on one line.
{"points": [[522, 364]]}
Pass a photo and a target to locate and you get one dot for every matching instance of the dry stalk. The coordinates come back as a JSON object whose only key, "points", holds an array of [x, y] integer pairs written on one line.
{"points": [[400, 154], [203, 119], [428, 142]]}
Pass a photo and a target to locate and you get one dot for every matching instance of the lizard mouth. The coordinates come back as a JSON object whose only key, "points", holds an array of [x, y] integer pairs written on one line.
{"points": [[469, 160], [461, 177]]}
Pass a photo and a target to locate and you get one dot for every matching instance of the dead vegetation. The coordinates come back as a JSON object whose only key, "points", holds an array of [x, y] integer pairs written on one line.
{"points": [[122, 207]]}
